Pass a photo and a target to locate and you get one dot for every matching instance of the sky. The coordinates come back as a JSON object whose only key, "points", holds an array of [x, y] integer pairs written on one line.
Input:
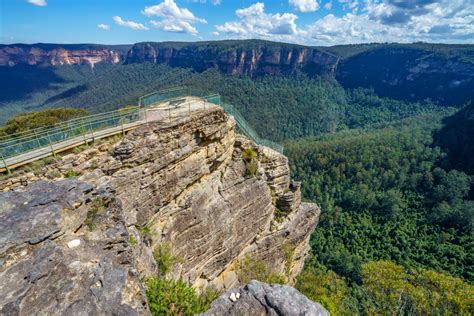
{"points": [[308, 22]]}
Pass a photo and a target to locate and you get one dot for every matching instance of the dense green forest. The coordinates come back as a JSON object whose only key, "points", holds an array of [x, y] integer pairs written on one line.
{"points": [[278, 107], [385, 196]]}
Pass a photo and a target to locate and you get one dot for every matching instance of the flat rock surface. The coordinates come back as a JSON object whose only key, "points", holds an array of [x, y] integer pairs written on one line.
{"points": [[53, 262]]}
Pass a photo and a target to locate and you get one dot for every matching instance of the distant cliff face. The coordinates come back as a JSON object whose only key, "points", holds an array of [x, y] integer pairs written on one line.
{"points": [[257, 59], [82, 245], [412, 73], [34, 55]]}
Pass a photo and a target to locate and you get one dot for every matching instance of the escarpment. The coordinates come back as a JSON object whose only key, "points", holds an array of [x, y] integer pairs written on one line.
{"points": [[256, 58], [57, 55], [188, 184]]}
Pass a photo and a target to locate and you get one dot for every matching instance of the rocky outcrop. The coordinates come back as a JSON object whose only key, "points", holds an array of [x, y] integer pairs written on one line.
{"points": [[258, 298], [64, 250], [12, 55], [237, 57], [184, 184]]}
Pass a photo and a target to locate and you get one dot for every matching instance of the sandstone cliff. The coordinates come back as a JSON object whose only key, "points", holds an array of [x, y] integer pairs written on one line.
{"points": [[55, 55], [88, 242], [237, 57]]}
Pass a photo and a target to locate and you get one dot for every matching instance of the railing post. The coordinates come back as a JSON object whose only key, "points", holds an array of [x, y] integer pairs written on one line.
{"points": [[169, 112], [92, 132], [6, 166], [84, 132], [51, 145], [37, 139], [123, 129], [189, 108]]}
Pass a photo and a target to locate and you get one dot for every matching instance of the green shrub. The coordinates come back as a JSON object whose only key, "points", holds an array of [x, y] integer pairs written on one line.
{"points": [[170, 297], [31, 120], [145, 231], [164, 258], [326, 288], [252, 168], [254, 269], [71, 173], [249, 154], [280, 215]]}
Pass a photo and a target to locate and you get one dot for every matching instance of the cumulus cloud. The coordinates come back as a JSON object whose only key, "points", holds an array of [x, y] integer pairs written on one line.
{"points": [[173, 18], [103, 26], [305, 5], [129, 24], [40, 3], [254, 22], [397, 21], [364, 22]]}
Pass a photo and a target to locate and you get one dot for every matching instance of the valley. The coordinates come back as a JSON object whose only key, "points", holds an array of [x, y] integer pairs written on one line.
{"points": [[380, 135]]}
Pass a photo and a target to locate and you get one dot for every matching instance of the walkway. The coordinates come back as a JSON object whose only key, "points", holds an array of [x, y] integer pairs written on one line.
{"points": [[159, 112]]}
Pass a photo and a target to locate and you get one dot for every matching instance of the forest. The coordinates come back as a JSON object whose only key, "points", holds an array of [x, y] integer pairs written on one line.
{"points": [[386, 196]]}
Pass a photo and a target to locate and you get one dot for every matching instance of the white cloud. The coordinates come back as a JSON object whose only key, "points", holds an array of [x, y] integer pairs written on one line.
{"points": [[448, 21], [215, 33], [40, 3], [174, 26], [305, 5], [103, 26], [396, 21], [173, 18], [129, 24], [328, 6], [254, 22]]}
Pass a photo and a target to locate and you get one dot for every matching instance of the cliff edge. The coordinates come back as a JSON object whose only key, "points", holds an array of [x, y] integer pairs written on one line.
{"points": [[216, 199]]}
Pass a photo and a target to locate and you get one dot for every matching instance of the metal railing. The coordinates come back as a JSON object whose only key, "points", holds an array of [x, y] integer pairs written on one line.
{"points": [[244, 127], [180, 92], [47, 137], [80, 128]]}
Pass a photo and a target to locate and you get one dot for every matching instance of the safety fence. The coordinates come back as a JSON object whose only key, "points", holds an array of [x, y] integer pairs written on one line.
{"points": [[74, 131], [32, 140], [244, 127], [168, 95], [180, 92]]}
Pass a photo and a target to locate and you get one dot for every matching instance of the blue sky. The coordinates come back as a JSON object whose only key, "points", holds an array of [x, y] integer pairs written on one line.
{"points": [[311, 22]]}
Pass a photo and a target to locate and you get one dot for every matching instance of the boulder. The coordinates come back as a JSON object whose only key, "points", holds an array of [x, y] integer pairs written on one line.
{"points": [[257, 298]]}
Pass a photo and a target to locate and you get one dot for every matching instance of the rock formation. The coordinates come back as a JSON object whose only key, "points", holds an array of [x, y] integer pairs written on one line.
{"points": [[12, 55], [52, 263], [258, 298], [237, 57], [87, 242]]}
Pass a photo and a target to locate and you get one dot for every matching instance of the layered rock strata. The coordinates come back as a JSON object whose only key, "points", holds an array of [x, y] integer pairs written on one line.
{"points": [[184, 184], [35, 55], [249, 58]]}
